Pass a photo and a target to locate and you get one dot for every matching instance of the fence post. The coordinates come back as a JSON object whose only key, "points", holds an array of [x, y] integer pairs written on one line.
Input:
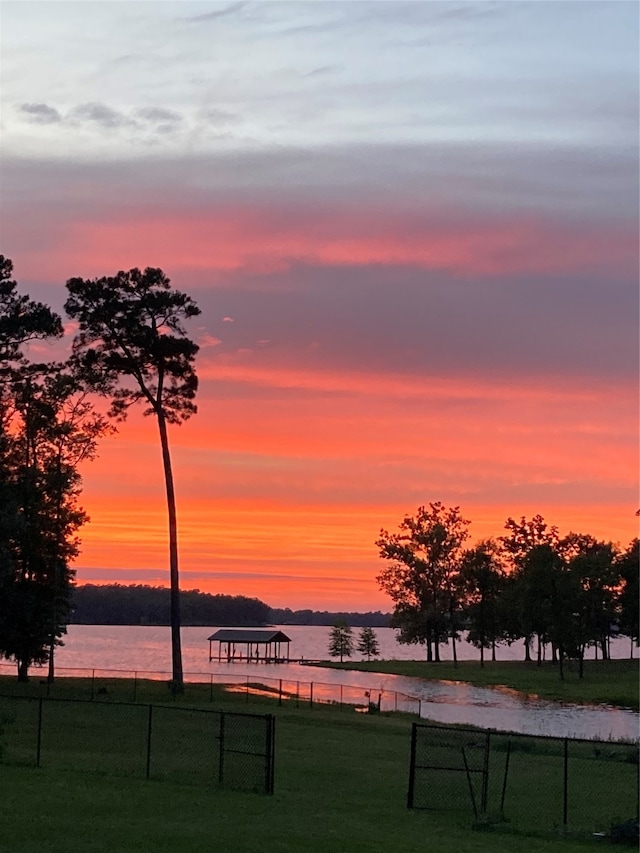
{"points": [[485, 774], [272, 755], [412, 766], [565, 805], [268, 754], [221, 751], [420, 708], [311, 695], [504, 781], [149, 730], [39, 741], [469, 783]]}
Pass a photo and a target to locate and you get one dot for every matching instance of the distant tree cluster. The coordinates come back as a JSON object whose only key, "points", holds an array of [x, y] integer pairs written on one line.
{"points": [[138, 604], [285, 616], [342, 643], [564, 594], [141, 604]]}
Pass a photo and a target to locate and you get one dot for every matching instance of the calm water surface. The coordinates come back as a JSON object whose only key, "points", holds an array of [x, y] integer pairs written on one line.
{"points": [[147, 650]]}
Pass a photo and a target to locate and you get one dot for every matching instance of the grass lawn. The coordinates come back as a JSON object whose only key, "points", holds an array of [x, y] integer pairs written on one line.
{"points": [[613, 682], [340, 786]]}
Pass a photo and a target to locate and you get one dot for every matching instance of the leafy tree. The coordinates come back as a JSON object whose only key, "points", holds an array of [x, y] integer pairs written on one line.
{"points": [[482, 581], [45, 431], [340, 641], [591, 564], [627, 566], [522, 537], [368, 643], [21, 319], [551, 597], [425, 559], [37, 499], [132, 347]]}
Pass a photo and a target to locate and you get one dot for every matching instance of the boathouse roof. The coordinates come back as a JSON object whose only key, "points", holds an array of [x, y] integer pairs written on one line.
{"points": [[232, 635]]}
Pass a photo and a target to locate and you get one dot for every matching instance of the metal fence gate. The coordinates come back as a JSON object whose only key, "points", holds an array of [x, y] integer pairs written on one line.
{"points": [[535, 783]]}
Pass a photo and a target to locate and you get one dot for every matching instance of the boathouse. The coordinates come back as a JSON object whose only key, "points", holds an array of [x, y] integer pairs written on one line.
{"points": [[252, 646]]}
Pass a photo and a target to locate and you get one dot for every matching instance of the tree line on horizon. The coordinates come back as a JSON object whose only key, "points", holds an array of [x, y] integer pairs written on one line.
{"points": [[561, 593], [141, 604]]}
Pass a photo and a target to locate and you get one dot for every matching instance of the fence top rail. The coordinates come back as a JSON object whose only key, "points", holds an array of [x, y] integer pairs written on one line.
{"points": [[109, 703], [500, 733]]}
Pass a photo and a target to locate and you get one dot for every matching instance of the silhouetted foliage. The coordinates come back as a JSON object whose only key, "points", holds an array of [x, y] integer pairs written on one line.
{"points": [[132, 347], [592, 592], [628, 568], [285, 616], [141, 604], [21, 319], [570, 594], [482, 581], [522, 537], [341, 641], [138, 604], [368, 643], [46, 429], [422, 578]]}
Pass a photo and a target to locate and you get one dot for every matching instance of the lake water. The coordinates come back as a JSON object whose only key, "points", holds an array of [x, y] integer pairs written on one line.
{"points": [[146, 651]]}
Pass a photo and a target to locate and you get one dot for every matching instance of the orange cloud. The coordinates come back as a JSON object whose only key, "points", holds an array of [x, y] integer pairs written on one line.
{"points": [[285, 501], [256, 239]]}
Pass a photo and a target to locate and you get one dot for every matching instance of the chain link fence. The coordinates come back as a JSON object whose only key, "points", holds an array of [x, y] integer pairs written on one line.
{"points": [[187, 745], [109, 685], [533, 783]]}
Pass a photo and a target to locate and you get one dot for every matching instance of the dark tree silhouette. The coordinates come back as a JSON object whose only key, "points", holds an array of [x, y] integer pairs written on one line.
{"points": [[45, 432], [37, 511], [132, 347], [368, 643], [425, 560], [21, 319], [628, 566], [481, 584], [341, 641], [522, 537]]}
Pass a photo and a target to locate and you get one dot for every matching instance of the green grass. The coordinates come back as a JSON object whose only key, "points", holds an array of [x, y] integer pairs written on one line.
{"points": [[613, 682], [341, 781]]}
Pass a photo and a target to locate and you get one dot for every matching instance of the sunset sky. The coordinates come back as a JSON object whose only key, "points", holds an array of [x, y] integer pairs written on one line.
{"points": [[412, 231]]}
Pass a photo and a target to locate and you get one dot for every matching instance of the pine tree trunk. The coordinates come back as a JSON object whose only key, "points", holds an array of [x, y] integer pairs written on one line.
{"points": [[176, 649]]}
